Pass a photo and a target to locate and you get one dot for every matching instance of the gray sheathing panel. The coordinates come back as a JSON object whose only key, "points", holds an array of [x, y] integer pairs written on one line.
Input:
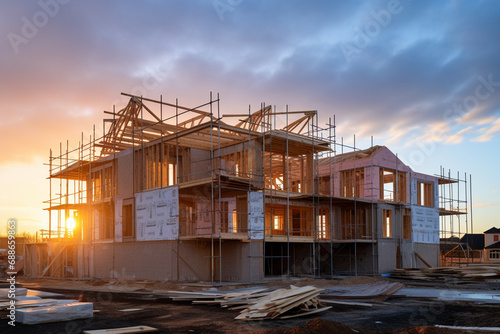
{"points": [[430, 252], [179, 261]]}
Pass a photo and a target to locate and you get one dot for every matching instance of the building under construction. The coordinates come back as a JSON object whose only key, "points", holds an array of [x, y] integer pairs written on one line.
{"points": [[190, 194]]}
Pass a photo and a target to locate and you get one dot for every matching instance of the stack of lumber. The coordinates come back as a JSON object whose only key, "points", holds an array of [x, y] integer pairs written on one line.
{"points": [[213, 298], [465, 273], [377, 292], [300, 300], [260, 303]]}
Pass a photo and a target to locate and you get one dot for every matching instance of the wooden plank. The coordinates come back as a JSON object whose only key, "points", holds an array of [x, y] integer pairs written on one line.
{"points": [[168, 104], [296, 302], [208, 302], [338, 302], [306, 313], [123, 330], [259, 303], [423, 260], [475, 329]]}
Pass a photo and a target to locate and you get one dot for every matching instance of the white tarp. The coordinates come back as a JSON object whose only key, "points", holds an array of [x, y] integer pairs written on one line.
{"points": [[424, 220], [425, 224], [157, 214], [256, 215], [66, 312]]}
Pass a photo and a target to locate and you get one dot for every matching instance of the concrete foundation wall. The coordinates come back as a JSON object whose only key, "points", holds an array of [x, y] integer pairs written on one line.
{"points": [[407, 254], [241, 261], [387, 254], [430, 253], [151, 260], [173, 261]]}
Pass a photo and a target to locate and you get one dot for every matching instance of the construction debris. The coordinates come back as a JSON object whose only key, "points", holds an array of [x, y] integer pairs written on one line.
{"points": [[483, 297], [4, 293], [377, 292], [465, 273], [338, 302], [38, 302], [471, 329], [54, 313], [32, 309], [42, 294], [123, 330], [304, 300], [261, 303]]}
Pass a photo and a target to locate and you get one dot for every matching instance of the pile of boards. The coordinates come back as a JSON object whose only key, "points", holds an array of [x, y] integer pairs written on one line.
{"points": [[466, 273], [374, 292], [36, 307], [261, 303]]}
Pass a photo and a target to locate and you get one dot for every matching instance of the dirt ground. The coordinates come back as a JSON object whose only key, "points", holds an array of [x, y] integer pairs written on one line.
{"points": [[159, 286], [135, 303]]}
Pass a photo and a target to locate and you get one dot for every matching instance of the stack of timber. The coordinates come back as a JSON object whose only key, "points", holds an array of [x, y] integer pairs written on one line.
{"points": [[375, 292], [466, 273], [299, 300], [261, 303]]}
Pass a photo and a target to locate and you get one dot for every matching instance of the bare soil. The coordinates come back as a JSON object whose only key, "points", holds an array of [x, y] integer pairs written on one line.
{"points": [[152, 308]]}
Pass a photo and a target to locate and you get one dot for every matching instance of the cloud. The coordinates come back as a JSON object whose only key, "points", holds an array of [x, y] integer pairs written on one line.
{"points": [[434, 132], [485, 205], [489, 132], [398, 87], [458, 137]]}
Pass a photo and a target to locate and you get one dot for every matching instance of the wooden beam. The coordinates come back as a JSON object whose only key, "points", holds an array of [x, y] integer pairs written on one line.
{"points": [[123, 330], [423, 260], [147, 109], [169, 104]]}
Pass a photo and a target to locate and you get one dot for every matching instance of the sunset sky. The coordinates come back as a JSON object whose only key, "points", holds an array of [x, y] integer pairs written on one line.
{"points": [[422, 77]]}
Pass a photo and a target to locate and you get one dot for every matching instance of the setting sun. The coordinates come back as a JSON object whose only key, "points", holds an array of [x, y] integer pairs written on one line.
{"points": [[70, 223]]}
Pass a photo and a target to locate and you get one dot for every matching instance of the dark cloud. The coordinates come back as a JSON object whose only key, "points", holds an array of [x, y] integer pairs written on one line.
{"points": [[425, 60]]}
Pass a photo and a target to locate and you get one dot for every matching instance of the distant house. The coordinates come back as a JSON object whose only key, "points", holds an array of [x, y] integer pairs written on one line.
{"points": [[483, 246], [474, 246], [492, 245], [474, 241]]}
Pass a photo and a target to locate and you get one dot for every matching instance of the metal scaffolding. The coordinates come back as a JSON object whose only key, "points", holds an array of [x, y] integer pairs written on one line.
{"points": [[219, 162]]}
